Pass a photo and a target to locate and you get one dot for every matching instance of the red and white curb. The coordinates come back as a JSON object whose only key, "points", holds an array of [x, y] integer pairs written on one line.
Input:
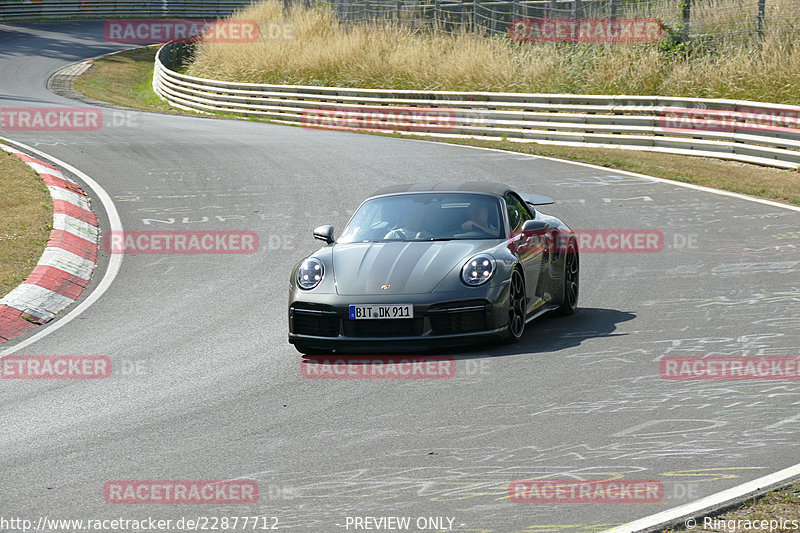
{"points": [[66, 265]]}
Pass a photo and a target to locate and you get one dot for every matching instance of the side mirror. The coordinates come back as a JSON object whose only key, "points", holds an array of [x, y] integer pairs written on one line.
{"points": [[324, 233], [532, 235], [535, 227]]}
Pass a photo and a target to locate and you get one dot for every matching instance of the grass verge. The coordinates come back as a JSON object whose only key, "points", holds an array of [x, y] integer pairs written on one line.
{"points": [[26, 218], [125, 79], [783, 504]]}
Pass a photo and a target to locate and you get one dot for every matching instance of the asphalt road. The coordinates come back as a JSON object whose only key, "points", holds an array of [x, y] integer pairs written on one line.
{"points": [[208, 387]]}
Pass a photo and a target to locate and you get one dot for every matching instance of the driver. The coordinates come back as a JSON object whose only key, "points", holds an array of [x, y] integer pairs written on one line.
{"points": [[479, 220], [411, 226]]}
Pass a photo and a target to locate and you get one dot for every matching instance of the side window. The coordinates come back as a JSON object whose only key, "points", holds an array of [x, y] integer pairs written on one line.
{"points": [[517, 212]]}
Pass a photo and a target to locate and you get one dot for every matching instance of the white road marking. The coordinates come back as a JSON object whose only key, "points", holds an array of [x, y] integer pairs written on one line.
{"points": [[695, 509], [634, 174], [114, 264]]}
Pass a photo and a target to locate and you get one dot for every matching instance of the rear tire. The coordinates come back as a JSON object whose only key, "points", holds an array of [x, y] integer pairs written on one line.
{"points": [[517, 307], [571, 280]]}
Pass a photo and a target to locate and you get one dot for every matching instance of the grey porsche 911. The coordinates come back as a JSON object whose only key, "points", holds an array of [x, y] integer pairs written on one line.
{"points": [[433, 264]]}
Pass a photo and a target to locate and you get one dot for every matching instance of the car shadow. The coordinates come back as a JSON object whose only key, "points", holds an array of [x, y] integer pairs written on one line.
{"points": [[552, 333], [549, 333]]}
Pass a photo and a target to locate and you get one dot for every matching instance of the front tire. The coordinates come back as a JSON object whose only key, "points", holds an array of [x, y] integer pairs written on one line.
{"points": [[571, 280], [516, 308]]}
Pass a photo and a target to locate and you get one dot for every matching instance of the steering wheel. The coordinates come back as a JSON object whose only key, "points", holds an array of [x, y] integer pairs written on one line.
{"points": [[403, 233]]}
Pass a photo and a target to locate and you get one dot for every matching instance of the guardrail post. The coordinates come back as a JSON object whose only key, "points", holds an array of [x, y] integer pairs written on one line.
{"points": [[762, 7]]}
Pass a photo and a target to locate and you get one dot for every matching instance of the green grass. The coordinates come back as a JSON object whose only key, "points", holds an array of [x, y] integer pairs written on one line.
{"points": [[124, 79]]}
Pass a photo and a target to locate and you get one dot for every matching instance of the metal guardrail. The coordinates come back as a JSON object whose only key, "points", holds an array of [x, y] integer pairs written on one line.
{"points": [[70, 9], [630, 122]]}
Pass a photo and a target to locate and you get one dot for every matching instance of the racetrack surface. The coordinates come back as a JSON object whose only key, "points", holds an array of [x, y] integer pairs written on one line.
{"points": [[209, 388]]}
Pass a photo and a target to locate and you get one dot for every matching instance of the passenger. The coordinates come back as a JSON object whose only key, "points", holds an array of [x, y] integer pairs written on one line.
{"points": [[479, 220]]}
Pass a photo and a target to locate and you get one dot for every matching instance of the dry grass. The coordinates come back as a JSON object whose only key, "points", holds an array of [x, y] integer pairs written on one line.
{"points": [[26, 217], [385, 55], [782, 505]]}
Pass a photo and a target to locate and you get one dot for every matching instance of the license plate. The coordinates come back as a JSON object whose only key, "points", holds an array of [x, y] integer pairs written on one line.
{"points": [[373, 311]]}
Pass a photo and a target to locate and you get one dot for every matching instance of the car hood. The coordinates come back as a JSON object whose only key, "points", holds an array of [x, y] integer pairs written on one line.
{"points": [[406, 267]]}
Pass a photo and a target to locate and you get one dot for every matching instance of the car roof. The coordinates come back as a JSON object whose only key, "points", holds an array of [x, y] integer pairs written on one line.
{"points": [[485, 187]]}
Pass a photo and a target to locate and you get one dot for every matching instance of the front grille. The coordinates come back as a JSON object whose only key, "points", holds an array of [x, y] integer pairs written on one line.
{"points": [[462, 319], [314, 322], [404, 327]]}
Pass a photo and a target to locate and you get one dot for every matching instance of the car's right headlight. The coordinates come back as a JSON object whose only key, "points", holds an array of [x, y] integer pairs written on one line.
{"points": [[478, 270], [310, 273]]}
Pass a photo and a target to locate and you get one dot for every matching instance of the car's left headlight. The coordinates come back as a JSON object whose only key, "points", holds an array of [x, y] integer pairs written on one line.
{"points": [[478, 270], [310, 273]]}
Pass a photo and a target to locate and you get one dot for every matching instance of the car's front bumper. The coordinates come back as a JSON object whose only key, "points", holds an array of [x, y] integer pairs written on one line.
{"points": [[321, 321]]}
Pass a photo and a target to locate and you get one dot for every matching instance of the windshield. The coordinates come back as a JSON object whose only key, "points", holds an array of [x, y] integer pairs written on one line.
{"points": [[426, 217]]}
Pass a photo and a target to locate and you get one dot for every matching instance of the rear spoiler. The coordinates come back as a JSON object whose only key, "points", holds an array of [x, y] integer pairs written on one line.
{"points": [[537, 199]]}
